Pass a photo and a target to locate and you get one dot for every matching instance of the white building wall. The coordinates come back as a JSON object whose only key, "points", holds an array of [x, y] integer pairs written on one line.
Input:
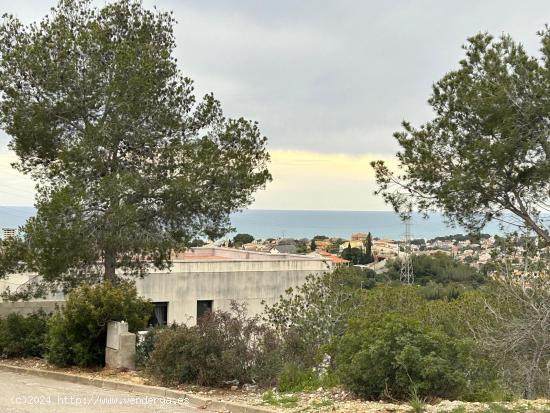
{"points": [[244, 277], [249, 282]]}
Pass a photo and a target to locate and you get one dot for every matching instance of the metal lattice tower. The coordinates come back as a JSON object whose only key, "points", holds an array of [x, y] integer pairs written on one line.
{"points": [[406, 275]]}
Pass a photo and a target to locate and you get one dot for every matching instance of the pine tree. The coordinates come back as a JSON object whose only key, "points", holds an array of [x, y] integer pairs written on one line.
{"points": [[129, 164]]}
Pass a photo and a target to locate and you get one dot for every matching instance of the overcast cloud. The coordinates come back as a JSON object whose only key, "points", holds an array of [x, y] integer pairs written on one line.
{"points": [[329, 77]]}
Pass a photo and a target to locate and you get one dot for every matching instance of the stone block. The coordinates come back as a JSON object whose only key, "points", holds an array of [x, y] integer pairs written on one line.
{"points": [[114, 329], [127, 351], [125, 356]]}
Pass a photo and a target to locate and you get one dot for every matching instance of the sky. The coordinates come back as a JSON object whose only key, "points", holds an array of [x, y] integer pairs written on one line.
{"points": [[329, 81]]}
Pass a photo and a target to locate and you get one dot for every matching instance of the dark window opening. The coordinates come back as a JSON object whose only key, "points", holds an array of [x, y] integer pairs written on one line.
{"points": [[160, 314], [204, 307]]}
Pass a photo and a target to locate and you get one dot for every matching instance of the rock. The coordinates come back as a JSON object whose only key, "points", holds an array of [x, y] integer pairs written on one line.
{"points": [[250, 387], [320, 389], [234, 388], [231, 382]]}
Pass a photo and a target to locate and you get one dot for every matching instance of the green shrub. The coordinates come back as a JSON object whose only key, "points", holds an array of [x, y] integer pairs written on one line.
{"points": [[173, 359], [145, 347], [23, 336], [309, 316], [295, 378], [396, 355], [77, 334], [224, 346], [439, 268]]}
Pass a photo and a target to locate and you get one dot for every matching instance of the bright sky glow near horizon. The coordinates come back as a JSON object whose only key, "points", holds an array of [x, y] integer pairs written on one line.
{"points": [[328, 81]]}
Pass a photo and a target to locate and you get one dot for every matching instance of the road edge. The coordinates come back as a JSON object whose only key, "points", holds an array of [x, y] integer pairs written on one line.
{"points": [[200, 402]]}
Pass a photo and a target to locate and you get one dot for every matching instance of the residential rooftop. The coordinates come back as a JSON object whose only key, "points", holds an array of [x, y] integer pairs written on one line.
{"points": [[203, 254]]}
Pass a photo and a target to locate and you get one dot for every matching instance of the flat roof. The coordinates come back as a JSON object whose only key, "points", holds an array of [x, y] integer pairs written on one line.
{"points": [[202, 254]]}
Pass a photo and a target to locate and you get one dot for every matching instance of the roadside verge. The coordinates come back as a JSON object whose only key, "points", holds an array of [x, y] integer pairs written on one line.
{"points": [[202, 403]]}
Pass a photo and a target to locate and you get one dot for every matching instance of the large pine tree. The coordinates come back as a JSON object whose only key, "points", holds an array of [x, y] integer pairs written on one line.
{"points": [[129, 165]]}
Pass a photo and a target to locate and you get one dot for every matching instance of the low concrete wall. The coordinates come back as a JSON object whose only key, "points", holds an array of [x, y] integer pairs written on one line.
{"points": [[28, 307]]}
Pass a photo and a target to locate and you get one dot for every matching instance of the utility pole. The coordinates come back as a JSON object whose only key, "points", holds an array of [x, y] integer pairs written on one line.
{"points": [[406, 275]]}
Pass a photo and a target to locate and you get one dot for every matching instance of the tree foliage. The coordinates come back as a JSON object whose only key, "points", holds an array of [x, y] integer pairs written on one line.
{"points": [[486, 153], [369, 257], [77, 335], [517, 328], [241, 239], [23, 336], [129, 164], [320, 238], [397, 356], [356, 256], [439, 268], [310, 315]]}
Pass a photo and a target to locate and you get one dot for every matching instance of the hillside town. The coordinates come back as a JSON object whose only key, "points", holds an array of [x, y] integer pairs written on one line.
{"points": [[468, 250]]}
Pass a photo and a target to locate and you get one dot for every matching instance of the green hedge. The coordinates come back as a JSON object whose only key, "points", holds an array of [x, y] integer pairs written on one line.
{"points": [[77, 335], [397, 356], [23, 336]]}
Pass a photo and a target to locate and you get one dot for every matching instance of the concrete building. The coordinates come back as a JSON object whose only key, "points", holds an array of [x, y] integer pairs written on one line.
{"points": [[334, 259], [204, 279], [284, 249], [353, 243], [322, 243], [208, 279], [359, 236], [8, 233]]}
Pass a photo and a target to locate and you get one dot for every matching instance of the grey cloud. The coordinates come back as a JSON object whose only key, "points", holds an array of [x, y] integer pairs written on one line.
{"points": [[330, 76]]}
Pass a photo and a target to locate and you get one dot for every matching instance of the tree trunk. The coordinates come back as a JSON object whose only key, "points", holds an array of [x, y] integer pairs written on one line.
{"points": [[532, 375], [110, 265]]}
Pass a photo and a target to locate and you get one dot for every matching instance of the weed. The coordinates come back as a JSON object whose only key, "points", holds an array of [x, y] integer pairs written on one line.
{"points": [[279, 400], [417, 404]]}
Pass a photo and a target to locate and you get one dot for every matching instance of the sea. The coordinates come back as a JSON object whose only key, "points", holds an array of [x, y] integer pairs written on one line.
{"points": [[270, 223]]}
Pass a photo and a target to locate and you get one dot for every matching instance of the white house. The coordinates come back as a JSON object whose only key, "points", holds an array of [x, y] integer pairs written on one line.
{"points": [[209, 278]]}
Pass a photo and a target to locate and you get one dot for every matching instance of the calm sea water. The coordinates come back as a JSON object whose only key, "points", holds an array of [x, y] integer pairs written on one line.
{"points": [[300, 224]]}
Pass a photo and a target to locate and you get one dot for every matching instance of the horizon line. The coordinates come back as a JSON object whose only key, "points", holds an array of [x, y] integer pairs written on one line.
{"points": [[259, 209]]}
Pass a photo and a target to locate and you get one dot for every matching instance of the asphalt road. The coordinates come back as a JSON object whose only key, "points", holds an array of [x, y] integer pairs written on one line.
{"points": [[21, 393]]}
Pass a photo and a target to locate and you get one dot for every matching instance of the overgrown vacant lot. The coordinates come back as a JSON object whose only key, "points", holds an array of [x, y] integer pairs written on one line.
{"points": [[400, 344]]}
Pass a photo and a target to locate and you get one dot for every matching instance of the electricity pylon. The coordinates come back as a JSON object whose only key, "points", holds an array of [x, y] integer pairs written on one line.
{"points": [[406, 275]]}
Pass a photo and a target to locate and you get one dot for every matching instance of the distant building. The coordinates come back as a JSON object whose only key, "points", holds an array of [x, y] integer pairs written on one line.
{"points": [[334, 259], [322, 243], [359, 236], [385, 248], [285, 241], [353, 243], [284, 249], [8, 233], [484, 257], [254, 246]]}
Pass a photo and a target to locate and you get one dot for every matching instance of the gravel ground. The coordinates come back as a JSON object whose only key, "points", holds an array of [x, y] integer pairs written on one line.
{"points": [[322, 400]]}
